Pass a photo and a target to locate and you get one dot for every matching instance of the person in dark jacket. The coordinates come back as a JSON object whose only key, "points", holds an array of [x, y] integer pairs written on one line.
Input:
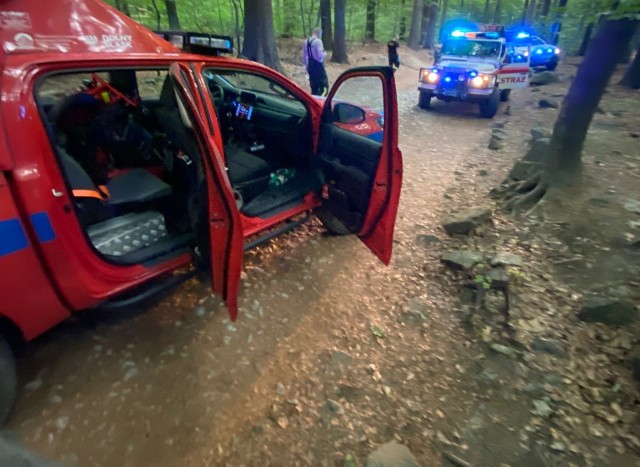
{"points": [[313, 56], [394, 58]]}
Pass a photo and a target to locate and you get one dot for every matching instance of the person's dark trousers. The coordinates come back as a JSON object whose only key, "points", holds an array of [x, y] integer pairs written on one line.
{"points": [[318, 78]]}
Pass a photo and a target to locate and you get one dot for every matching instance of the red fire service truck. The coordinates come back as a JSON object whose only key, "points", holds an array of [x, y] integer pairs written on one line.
{"points": [[128, 155]]}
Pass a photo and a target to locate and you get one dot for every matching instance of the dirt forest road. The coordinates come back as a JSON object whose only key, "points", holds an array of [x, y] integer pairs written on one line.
{"points": [[332, 355]]}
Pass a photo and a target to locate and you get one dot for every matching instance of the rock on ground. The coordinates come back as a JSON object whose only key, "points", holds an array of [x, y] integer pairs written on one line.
{"points": [[538, 151], [506, 259], [465, 221], [608, 311], [546, 77], [548, 104], [539, 133], [462, 259], [392, 454], [550, 346]]}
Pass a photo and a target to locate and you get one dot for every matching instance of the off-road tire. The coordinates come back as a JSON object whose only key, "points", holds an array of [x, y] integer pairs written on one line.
{"points": [[8, 381], [331, 223], [489, 108], [504, 95], [424, 101]]}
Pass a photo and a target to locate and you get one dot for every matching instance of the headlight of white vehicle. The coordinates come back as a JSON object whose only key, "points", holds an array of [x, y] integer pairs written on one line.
{"points": [[480, 81], [429, 75]]}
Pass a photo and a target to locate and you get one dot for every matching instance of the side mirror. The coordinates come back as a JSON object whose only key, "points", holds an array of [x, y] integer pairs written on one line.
{"points": [[350, 114]]}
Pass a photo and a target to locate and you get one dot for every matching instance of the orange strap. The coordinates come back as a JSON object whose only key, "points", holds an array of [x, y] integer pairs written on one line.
{"points": [[101, 193]]}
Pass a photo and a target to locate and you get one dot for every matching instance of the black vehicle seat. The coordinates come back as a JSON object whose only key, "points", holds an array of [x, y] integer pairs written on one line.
{"points": [[134, 186], [248, 174]]}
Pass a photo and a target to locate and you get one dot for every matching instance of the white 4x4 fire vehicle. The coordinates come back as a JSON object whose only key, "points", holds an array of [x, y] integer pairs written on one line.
{"points": [[473, 66]]}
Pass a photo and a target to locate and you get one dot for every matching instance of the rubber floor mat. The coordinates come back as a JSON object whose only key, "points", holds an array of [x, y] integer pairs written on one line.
{"points": [[126, 234]]}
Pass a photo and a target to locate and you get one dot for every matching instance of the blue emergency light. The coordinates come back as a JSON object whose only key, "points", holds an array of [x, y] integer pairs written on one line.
{"points": [[457, 33], [522, 35]]}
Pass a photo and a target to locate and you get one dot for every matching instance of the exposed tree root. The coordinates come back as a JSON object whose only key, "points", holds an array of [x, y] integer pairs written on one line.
{"points": [[523, 195]]}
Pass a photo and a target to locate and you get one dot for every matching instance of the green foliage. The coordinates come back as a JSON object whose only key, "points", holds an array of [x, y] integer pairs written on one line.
{"points": [[483, 281], [297, 17]]}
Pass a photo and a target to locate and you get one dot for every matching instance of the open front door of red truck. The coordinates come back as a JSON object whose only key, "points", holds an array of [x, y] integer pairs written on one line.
{"points": [[224, 225], [359, 154]]}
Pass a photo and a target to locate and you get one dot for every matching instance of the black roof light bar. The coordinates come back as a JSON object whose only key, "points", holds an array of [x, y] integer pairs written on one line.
{"points": [[199, 42]]}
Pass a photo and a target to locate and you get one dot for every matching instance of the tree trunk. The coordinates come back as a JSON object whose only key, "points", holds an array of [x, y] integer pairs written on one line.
{"points": [[172, 14], [562, 4], [424, 22], [580, 103], [525, 10], [546, 6], [339, 34], [631, 77], [431, 29], [585, 40], [403, 22], [236, 20], [531, 12], [123, 6], [158, 15], [497, 13], [370, 29], [485, 15], [416, 18], [259, 36], [443, 13], [305, 31], [289, 23], [325, 24]]}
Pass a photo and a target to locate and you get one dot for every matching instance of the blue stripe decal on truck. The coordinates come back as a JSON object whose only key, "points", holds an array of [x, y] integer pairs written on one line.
{"points": [[42, 225], [12, 237]]}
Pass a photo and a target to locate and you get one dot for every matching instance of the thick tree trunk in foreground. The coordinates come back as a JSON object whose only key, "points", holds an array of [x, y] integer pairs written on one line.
{"points": [[259, 36], [340, 33], [416, 18], [172, 14], [325, 24], [579, 105], [546, 6], [631, 77]]}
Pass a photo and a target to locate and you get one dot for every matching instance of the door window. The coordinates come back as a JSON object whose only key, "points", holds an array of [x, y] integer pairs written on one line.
{"points": [[358, 107]]}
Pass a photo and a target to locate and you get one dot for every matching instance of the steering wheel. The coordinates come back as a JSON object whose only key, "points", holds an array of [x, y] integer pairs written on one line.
{"points": [[217, 94]]}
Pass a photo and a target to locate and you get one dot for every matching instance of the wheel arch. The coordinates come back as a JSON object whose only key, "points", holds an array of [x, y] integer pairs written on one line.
{"points": [[11, 331]]}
